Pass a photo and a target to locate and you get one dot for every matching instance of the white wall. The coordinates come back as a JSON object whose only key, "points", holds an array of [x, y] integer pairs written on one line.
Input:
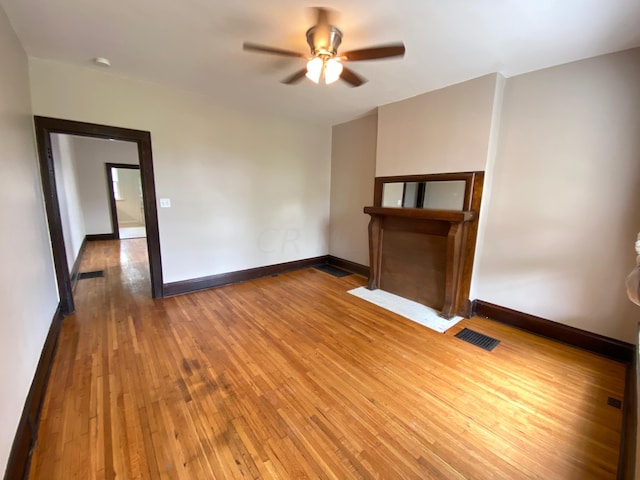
{"points": [[446, 130], [129, 205], [91, 155], [565, 206], [72, 219], [28, 292], [392, 194], [353, 161], [246, 190]]}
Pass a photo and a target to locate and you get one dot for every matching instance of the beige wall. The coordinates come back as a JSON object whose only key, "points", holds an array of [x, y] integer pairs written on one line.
{"points": [[454, 129], [353, 161], [561, 153], [91, 155], [565, 204], [27, 283], [246, 190], [446, 130]]}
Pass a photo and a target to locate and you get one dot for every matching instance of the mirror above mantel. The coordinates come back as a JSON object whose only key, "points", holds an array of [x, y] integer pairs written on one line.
{"points": [[441, 191], [422, 237], [435, 195]]}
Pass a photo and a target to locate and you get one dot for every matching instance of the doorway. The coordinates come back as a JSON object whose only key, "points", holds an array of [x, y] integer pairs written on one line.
{"points": [[44, 127], [125, 200]]}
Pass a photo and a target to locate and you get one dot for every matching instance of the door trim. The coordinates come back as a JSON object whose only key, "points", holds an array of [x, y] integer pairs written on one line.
{"points": [[112, 198], [44, 127]]}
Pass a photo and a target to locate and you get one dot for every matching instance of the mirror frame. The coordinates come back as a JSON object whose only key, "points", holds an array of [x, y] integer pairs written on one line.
{"points": [[467, 177]]}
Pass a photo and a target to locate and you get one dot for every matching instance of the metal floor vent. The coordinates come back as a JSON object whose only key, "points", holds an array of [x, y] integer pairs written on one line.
{"points": [[331, 270], [614, 402], [478, 339], [94, 274]]}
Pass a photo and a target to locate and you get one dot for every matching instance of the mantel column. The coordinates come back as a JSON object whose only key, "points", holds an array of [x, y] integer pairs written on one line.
{"points": [[451, 286], [375, 252]]}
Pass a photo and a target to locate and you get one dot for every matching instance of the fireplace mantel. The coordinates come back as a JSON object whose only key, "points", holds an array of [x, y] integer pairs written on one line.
{"points": [[422, 214], [422, 254]]}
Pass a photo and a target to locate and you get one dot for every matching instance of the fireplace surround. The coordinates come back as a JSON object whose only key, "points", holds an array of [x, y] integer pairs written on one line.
{"points": [[421, 253]]}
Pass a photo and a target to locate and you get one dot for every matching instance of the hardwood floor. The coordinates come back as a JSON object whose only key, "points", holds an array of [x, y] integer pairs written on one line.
{"points": [[291, 377]]}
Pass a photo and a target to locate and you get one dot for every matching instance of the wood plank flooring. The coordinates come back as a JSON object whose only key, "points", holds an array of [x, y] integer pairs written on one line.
{"points": [[291, 377]]}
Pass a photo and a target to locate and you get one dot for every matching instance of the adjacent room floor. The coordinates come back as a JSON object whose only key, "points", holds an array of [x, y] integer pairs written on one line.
{"points": [[132, 232], [292, 377]]}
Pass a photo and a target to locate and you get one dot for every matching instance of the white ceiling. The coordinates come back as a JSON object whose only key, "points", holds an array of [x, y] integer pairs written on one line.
{"points": [[196, 45]]}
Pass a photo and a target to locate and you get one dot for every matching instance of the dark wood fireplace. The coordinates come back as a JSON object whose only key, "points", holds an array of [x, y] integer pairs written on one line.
{"points": [[421, 253]]}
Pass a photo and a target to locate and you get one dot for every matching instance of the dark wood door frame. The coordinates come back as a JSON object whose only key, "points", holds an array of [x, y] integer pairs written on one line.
{"points": [[112, 197], [44, 127]]}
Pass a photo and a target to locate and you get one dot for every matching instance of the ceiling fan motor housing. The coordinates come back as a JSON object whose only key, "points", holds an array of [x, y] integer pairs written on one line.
{"points": [[324, 46]]}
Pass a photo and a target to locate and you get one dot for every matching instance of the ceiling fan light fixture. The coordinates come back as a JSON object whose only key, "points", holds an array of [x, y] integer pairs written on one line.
{"points": [[324, 62], [314, 69], [332, 70]]}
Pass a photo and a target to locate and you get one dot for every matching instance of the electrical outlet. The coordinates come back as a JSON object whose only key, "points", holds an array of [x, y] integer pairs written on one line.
{"points": [[165, 203]]}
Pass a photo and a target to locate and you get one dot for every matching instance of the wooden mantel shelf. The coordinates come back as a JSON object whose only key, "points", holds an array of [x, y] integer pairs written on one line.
{"points": [[451, 216]]}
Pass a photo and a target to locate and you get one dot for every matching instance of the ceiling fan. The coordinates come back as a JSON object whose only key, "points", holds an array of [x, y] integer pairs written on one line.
{"points": [[324, 61]]}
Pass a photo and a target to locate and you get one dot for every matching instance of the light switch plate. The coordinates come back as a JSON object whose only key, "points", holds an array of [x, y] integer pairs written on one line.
{"points": [[165, 203]]}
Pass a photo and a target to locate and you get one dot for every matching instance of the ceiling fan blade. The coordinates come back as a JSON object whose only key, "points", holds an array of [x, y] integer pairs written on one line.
{"points": [[374, 53], [254, 47], [351, 77], [296, 77]]}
